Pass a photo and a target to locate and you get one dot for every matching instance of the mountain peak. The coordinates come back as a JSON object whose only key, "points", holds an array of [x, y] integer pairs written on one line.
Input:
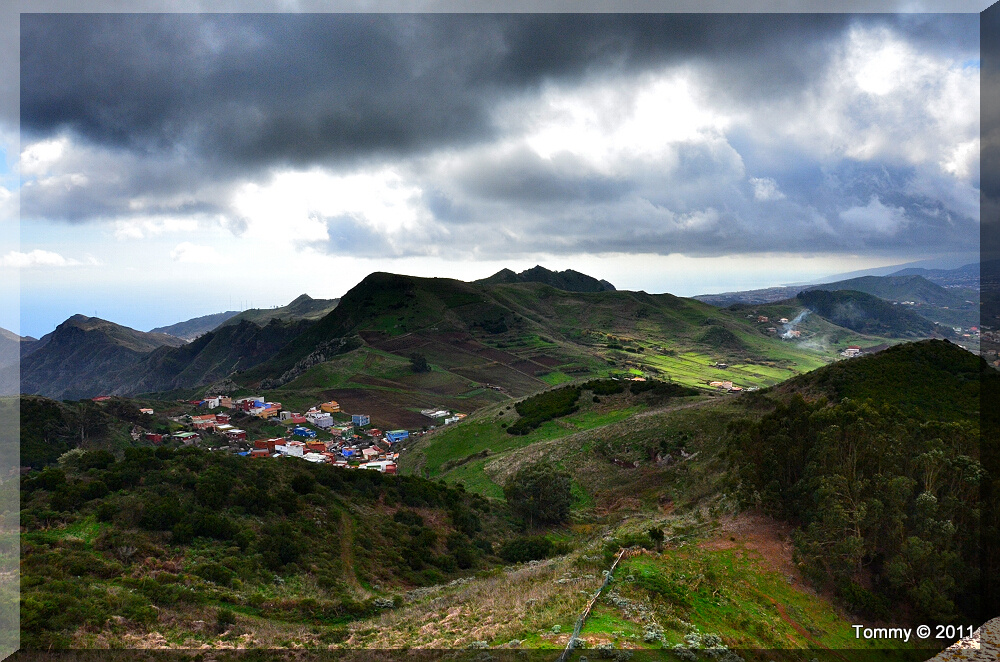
{"points": [[568, 280]]}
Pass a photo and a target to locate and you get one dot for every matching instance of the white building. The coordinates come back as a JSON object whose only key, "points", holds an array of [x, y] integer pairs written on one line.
{"points": [[320, 419], [291, 448]]}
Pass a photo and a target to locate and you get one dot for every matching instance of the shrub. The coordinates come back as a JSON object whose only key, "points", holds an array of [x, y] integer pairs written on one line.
{"points": [[408, 517], [604, 386], [526, 548], [215, 573], [224, 619], [303, 483]]}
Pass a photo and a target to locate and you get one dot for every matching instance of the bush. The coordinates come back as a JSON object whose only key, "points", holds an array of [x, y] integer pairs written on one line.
{"points": [[160, 513], [526, 548], [224, 619], [418, 363], [303, 483], [408, 517], [215, 573]]}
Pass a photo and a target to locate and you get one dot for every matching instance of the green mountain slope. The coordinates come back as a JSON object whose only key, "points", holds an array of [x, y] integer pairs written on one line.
{"points": [[874, 460], [882, 480], [914, 288], [164, 540], [483, 343], [929, 380], [953, 306], [208, 359], [950, 306]]}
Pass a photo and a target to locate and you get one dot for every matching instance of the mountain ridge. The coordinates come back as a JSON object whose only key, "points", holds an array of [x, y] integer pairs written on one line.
{"points": [[569, 280], [196, 326]]}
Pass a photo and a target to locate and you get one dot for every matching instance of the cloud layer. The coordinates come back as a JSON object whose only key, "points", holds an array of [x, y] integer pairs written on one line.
{"points": [[490, 136]]}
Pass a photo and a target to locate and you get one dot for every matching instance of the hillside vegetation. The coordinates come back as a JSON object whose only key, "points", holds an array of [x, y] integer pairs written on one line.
{"points": [[883, 481], [162, 540]]}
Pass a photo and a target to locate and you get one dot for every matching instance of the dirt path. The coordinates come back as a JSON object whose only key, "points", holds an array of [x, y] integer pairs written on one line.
{"points": [[798, 628], [769, 539]]}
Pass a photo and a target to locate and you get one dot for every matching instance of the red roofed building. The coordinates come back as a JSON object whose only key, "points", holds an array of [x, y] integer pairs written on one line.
{"points": [[267, 444]]}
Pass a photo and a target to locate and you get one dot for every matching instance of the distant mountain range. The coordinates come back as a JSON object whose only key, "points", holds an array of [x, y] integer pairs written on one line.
{"points": [[88, 356], [568, 280], [953, 306], [303, 307], [10, 353], [198, 326]]}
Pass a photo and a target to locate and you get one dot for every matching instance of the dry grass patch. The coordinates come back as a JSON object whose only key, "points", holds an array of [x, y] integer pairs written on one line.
{"points": [[496, 609]]}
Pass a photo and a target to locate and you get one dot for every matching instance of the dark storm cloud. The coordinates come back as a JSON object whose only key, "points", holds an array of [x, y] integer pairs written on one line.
{"points": [[304, 88]]}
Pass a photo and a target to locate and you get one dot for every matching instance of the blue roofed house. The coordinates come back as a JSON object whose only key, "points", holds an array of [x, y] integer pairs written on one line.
{"points": [[361, 420], [394, 436]]}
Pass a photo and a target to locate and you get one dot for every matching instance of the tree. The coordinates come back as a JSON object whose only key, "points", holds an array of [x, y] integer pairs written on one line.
{"points": [[418, 362], [540, 494], [656, 535]]}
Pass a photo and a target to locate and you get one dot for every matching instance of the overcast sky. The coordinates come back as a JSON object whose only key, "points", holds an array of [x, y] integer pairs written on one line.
{"points": [[175, 165]]}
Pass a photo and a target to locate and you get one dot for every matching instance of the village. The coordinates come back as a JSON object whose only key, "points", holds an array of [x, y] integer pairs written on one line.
{"points": [[323, 434]]}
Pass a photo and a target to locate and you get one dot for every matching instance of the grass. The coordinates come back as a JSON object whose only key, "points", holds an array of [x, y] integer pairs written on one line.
{"points": [[488, 431], [555, 378], [725, 592]]}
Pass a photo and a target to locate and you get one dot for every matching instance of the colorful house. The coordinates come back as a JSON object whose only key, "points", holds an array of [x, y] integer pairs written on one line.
{"points": [[361, 420], [394, 436], [236, 434]]}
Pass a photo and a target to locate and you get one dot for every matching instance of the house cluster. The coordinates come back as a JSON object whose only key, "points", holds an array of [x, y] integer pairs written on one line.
{"points": [[851, 351], [354, 445], [369, 449]]}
